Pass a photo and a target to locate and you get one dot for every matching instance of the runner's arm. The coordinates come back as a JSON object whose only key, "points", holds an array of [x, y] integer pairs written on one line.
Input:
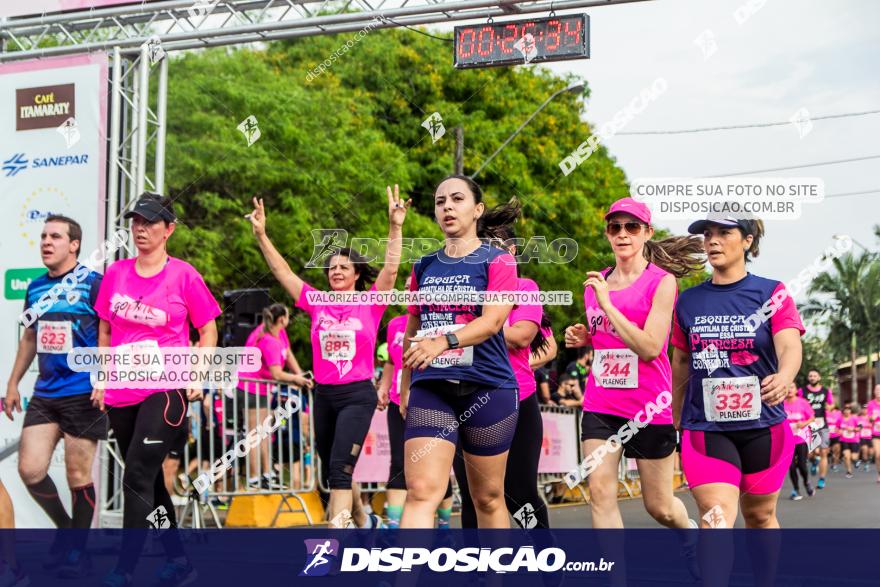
{"points": [[412, 326], [544, 354], [789, 352], [396, 214], [27, 350], [289, 280], [387, 374], [680, 366], [520, 335], [647, 343]]}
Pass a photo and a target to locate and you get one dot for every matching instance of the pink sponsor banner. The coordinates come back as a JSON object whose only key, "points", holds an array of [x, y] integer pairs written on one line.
{"points": [[560, 443], [375, 458], [38, 7]]}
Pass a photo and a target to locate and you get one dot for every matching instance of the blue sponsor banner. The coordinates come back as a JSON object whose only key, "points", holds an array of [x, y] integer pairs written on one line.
{"points": [[357, 558]]}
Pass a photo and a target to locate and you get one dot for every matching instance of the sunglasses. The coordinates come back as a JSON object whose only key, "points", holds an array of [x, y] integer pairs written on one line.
{"points": [[614, 228]]}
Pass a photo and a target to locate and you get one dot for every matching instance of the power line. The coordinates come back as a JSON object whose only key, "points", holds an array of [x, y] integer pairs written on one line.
{"points": [[446, 40], [861, 193], [819, 164], [739, 126]]}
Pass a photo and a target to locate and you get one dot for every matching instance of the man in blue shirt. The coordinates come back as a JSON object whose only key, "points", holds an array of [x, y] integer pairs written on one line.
{"points": [[59, 316]]}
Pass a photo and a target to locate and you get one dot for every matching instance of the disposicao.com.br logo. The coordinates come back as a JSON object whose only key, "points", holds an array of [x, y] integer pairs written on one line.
{"points": [[323, 552]]}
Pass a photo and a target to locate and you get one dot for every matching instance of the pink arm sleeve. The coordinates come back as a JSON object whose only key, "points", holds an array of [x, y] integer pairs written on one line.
{"points": [[787, 315], [678, 338]]}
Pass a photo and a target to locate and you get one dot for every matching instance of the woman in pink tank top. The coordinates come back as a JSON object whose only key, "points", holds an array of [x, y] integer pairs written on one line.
{"points": [[628, 393]]}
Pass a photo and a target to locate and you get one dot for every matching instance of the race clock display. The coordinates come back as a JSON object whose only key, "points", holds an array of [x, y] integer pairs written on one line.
{"points": [[535, 40]]}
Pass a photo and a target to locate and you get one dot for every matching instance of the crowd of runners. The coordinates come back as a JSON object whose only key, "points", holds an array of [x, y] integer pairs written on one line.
{"points": [[462, 383]]}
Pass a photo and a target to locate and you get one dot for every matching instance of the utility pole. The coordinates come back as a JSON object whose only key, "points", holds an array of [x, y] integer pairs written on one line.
{"points": [[459, 151]]}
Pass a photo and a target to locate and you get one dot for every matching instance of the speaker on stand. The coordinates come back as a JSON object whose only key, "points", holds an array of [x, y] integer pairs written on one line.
{"points": [[243, 313]]}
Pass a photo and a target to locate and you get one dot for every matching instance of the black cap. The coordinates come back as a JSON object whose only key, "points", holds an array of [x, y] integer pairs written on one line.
{"points": [[747, 225], [152, 210]]}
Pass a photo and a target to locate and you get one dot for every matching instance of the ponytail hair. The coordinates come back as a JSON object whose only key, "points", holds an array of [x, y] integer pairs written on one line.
{"points": [[271, 315], [496, 224], [367, 274], [757, 231], [678, 255], [540, 342]]}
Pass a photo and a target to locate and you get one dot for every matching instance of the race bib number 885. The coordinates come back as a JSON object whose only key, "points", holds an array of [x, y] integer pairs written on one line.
{"points": [[731, 399], [337, 345]]}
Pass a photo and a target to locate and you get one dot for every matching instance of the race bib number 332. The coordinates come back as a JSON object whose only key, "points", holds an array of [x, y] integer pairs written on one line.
{"points": [[732, 399]]}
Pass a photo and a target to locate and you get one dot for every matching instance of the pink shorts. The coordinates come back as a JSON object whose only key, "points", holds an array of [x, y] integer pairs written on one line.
{"points": [[755, 461]]}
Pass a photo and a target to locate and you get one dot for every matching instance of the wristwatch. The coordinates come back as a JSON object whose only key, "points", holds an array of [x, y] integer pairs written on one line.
{"points": [[452, 340]]}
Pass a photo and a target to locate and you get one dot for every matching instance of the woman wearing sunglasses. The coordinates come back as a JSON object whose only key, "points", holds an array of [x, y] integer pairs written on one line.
{"points": [[627, 397]]}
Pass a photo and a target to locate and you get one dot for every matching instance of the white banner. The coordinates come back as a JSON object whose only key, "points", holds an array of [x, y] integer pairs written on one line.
{"points": [[53, 116]]}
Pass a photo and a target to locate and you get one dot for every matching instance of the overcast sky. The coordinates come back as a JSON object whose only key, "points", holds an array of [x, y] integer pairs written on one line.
{"points": [[790, 54]]}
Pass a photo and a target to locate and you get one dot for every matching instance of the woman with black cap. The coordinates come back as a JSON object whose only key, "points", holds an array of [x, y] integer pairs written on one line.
{"points": [[150, 301]]}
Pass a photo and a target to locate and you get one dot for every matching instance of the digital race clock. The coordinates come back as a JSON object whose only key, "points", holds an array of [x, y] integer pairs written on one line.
{"points": [[554, 38]]}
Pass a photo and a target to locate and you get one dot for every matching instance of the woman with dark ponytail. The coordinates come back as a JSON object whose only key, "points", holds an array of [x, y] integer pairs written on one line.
{"points": [[343, 338], [253, 398], [458, 384], [526, 333], [629, 314]]}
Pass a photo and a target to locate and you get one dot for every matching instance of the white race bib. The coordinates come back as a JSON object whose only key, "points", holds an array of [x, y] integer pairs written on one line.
{"points": [[54, 337], [732, 399], [143, 356], [616, 368], [819, 423], [399, 380], [338, 345], [460, 357]]}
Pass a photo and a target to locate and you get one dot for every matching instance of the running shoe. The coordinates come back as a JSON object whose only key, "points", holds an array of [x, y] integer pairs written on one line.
{"points": [[77, 564], [377, 522], [814, 468], [117, 579], [795, 496], [689, 550], [57, 553], [835, 468], [865, 469], [858, 463], [821, 483], [13, 577], [849, 475], [176, 573], [810, 491]]}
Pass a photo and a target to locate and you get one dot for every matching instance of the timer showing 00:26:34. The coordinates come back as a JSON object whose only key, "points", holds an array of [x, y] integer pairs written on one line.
{"points": [[493, 43]]}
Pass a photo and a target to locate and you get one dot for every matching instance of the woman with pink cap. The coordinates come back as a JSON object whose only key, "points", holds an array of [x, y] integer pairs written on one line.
{"points": [[628, 395]]}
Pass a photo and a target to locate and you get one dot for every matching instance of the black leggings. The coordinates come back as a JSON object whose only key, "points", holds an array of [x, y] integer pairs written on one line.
{"points": [[396, 427], [343, 414], [521, 476], [799, 463], [145, 433]]}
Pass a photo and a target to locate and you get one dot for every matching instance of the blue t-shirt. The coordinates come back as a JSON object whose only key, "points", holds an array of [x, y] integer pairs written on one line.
{"points": [[67, 322], [486, 269], [721, 315]]}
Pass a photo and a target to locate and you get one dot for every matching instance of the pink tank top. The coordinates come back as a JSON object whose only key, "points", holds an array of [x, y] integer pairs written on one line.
{"points": [[620, 383]]}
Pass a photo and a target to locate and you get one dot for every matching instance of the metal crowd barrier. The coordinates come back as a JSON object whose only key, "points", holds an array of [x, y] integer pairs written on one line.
{"points": [[226, 426], [545, 479]]}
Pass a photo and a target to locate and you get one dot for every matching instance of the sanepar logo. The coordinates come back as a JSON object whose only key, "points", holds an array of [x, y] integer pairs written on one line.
{"points": [[19, 162]]}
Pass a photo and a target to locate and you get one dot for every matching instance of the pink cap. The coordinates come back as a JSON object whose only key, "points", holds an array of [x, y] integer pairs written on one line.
{"points": [[631, 207]]}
